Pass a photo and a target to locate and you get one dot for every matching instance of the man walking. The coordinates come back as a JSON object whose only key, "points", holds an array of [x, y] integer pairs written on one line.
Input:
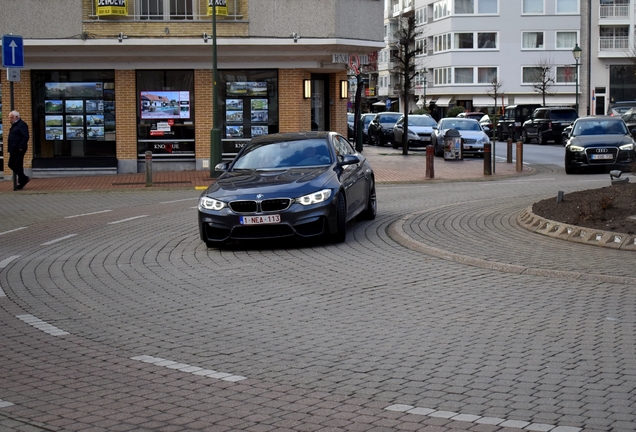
{"points": [[18, 144]]}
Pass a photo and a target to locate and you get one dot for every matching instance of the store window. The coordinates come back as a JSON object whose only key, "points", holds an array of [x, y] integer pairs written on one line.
{"points": [[73, 118], [248, 104], [165, 115], [1, 145]]}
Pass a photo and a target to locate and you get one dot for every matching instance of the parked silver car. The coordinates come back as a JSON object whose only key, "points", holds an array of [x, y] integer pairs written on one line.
{"points": [[419, 133]]}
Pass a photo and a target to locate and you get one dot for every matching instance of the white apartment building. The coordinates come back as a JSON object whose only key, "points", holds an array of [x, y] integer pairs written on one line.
{"points": [[609, 53], [469, 43]]}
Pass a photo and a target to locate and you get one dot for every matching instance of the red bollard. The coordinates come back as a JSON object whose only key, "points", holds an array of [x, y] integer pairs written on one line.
{"points": [[430, 157], [519, 156], [487, 160]]}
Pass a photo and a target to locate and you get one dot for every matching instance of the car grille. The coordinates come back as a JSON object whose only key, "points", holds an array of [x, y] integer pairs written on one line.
{"points": [[469, 141], [269, 205], [601, 151]]}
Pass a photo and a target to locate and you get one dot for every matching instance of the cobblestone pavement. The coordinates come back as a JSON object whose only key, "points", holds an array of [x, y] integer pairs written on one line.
{"points": [[442, 314]]}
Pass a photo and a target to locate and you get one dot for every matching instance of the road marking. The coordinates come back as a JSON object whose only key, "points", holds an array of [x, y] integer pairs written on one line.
{"points": [[194, 370], [87, 214], [5, 262], [58, 240], [42, 325], [179, 200], [2, 293], [13, 230], [470, 418], [126, 220], [4, 404]]}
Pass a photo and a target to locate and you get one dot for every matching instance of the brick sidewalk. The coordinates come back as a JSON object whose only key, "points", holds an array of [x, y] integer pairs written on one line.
{"points": [[390, 166]]}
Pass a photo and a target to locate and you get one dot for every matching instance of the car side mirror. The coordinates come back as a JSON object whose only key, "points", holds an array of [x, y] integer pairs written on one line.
{"points": [[222, 167], [348, 160]]}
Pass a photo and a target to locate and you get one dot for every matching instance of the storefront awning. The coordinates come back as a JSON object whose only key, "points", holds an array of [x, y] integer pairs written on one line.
{"points": [[550, 100], [487, 101], [443, 101]]}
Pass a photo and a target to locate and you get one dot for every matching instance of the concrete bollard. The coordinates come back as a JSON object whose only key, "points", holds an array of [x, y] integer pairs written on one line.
{"points": [[509, 150], [487, 160], [519, 156], [430, 157], [148, 168]]}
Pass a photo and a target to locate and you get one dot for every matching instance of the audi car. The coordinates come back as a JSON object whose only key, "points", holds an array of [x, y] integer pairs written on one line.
{"points": [[599, 142], [289, 185]]}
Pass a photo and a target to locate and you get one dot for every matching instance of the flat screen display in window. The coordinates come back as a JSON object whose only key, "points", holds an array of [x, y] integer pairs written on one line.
{"points": [[165, 105]]}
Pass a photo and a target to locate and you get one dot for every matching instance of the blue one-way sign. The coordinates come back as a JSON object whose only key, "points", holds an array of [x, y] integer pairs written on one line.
{"points": [[12, 51]]}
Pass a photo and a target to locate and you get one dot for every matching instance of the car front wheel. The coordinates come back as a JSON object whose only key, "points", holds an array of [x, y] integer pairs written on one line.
{"points": [[524, 137], [340, 233]]}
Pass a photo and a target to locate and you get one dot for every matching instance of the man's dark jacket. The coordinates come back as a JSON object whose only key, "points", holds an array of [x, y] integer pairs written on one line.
{"points": [[18, 136]]}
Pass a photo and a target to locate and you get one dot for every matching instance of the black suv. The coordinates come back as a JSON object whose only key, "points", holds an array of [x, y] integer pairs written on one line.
{"points": [[547, 123], [509, 125]]}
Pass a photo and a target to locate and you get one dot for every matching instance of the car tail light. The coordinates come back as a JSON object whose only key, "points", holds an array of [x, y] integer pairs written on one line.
{"points": [[549, 125]]}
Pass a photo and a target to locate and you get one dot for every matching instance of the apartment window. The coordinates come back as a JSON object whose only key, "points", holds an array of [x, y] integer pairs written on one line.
{"points": [[614, 38], [442, 76], [567, 6], [464, 75], [464, 6], [531, 74], [441, 9], [464, 41], [420, 46], [532, 40], [470, 6], [565, 40], [164, 9], [486, 75], [442, 42], [420, 16], [486, 40], [565, 74], [532, 6]]}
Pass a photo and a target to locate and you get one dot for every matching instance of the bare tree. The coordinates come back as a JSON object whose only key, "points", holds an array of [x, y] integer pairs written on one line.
{"points": [[495, 93], [405, 66], [543, 77]]}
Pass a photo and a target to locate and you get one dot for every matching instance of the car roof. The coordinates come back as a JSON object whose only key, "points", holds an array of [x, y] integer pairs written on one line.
{"points": [[290, 136]]}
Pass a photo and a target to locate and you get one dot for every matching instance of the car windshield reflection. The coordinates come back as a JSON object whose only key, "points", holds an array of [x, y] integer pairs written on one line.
{"points": [[284, 155], [601, 127]]}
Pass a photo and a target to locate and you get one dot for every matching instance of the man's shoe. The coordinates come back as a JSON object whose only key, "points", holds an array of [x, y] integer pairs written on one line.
{"points": [[26, 181], [18, 187]]}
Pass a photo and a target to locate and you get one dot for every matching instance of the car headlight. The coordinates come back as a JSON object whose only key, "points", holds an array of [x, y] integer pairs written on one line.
{"points": [[484, 140], [627, 147], [575, 148], [314, 198], [208, 203]]}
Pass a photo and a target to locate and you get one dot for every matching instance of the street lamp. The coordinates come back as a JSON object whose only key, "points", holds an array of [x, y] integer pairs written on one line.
{"points": [[576, 52]]}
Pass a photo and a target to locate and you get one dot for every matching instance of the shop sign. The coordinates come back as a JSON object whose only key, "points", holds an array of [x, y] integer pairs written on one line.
{"points": [[221, 7], [346, 58], [112, 8]]}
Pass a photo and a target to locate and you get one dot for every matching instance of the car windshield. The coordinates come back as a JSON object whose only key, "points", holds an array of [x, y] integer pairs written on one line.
{"points": [[563, 115], [459, 124], [389, 118], [367, 119], [287, 154], [421, 121], [600, 127]]}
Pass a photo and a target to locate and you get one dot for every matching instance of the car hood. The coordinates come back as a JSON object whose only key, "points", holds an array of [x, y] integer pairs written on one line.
{"points": [[600, 140], [476, 135], [292, 182], [421, 129]]}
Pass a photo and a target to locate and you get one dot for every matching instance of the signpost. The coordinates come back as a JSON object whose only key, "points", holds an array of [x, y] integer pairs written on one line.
{"points": [[12, 59]]}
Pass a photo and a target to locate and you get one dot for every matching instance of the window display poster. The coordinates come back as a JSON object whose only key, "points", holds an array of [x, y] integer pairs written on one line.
{"points": [[74, 107], [54, 127], [251, 88], [165, 104], [94, 106], [259, 130], [259, 116], [234, 104], [53, 106], [74, 133], [259, 104], [234, 116], [234, 131], [74, 120], [55, 90]]}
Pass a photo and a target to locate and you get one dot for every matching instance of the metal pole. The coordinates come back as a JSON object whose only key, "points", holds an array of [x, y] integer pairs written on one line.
{"points": [[215, 135], [148, 168], [519, 156], [509, 150], [430, 157], [577, 86], [487, 160]]}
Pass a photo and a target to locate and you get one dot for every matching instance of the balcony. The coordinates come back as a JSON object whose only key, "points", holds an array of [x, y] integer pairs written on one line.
{"points": [[179, 10], [614, 44], [614, 14]]}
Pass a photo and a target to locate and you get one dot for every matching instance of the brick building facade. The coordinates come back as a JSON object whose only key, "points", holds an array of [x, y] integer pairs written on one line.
{"points": [[98, 91]]}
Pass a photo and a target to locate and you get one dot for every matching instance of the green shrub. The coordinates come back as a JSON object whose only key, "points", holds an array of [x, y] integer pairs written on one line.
{"points": [[454, 111]]}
